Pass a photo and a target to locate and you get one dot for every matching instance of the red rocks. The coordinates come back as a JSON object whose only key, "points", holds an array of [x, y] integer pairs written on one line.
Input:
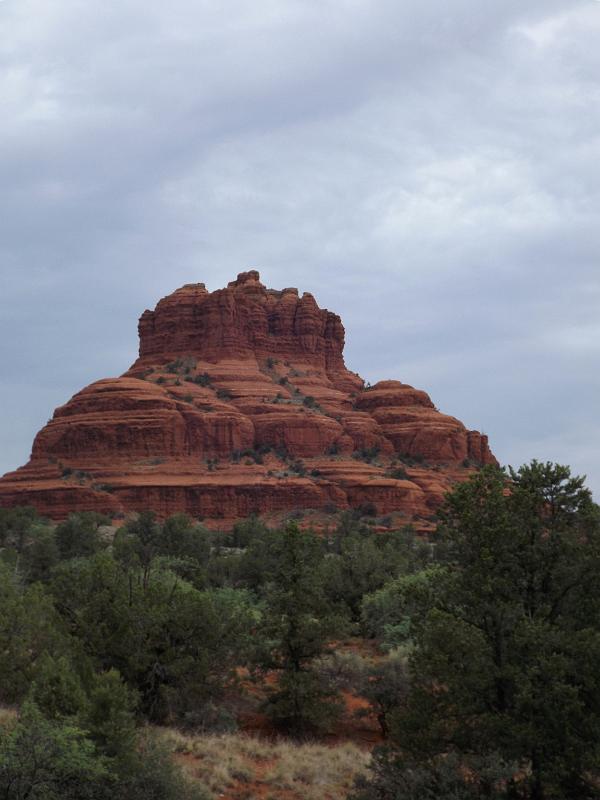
{"points": [[416, 429], [240, 402], [127, 418], [240, 322]]}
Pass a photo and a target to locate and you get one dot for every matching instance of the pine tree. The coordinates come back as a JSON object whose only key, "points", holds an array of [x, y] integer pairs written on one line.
{"points": [[297, 626], [507, 659]]}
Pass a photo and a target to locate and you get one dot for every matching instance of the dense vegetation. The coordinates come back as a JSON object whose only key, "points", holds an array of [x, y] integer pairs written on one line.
{"points": [[504, 697], [486, 683]]}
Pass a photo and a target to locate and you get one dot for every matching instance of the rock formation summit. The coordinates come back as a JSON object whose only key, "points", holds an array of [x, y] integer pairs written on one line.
{"points": [[240, 402]]}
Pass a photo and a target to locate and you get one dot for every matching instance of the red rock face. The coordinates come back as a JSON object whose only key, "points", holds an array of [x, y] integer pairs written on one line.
{"points": [[243, 321], [240, 402]]}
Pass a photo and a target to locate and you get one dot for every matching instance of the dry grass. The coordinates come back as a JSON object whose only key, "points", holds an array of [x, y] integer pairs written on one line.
{"points": [[218, 762], [8, 717], [240, 766], [316, 772]]}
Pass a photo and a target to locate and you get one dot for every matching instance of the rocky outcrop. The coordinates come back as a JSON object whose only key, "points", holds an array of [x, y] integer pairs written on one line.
{"points": [[415, 428], [240, 402], [243, 321]]}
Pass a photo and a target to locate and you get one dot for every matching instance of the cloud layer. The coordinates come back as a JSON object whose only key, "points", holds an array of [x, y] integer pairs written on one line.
{"points": [[429, 170]]}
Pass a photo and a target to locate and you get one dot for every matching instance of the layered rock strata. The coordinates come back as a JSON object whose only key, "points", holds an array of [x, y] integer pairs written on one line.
{"points": [[240, 402]]}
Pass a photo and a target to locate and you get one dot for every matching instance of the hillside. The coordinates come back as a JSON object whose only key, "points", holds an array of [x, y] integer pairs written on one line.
{"points": [[240, 402]]}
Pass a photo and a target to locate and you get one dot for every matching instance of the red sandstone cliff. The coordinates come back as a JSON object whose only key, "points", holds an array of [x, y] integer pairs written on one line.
{"points": [[240, 402]]}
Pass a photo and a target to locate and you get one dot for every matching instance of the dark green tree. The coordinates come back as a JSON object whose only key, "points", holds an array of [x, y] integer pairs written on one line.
{"points": [[185, 548], [29, 629], [15, 524], [27, 543], [39, 555], [397, 776], [297, 625], [259, 560], [80, 534], [44, 760], [360, 561], [178, 543], [109, 716], [506, 661], [137, 543], [173, 644], [57, 690], [394, 613], [247, 530], [181, 537]]}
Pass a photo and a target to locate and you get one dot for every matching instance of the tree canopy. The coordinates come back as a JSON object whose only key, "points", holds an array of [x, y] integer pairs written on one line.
{"points": [[505, 662]]}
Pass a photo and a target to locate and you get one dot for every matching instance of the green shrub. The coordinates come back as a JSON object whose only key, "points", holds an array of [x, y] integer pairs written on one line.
{"points": [[44, 760], [386, 685], [367, 454], [343, 671], [29, 627], [174, 366], [57, 689], [298, 467], [393, 776], [15, 524], [108, 715], [297, 623], [392, 613], [310, 402], [412, 460], [79, 534], [153, 775], [39, 554]]}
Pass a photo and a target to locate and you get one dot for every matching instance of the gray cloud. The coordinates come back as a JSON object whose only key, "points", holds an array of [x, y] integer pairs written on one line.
{"points": [[430, 171]]}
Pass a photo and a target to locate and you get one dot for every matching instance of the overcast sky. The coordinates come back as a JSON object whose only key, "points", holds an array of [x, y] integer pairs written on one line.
{"points": [[428, 169]]}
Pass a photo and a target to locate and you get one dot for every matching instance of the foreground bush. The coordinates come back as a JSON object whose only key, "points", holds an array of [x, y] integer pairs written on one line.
{"points": [[393, 777], [44, 759]]}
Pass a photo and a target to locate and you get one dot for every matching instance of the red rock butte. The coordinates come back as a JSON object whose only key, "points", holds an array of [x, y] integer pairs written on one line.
{"points": [[240, 402]]}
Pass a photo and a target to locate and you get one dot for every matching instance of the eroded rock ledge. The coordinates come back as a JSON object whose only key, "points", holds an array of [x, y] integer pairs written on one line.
{"points": [[240, 402]]}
